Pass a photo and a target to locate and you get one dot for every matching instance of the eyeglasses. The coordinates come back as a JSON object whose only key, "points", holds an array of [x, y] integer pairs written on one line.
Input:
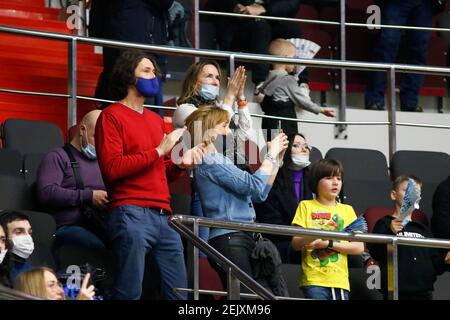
{"points": [[301, 146]]}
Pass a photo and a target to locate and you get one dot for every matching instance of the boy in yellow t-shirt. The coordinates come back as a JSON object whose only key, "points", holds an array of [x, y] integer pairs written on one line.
{"points": [[324, 262]]}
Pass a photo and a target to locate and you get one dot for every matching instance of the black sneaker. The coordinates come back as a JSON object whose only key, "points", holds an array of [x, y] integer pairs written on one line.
{"points": [[407, 109], [375, 107]]}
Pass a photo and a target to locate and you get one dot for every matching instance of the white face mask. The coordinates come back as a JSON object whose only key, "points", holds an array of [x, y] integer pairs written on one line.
{"points": [[2, 255], [23, 246], [300, 160]]}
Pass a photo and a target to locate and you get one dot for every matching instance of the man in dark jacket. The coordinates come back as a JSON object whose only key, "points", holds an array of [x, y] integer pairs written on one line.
{"points": [[416, 13], [254, 35], [142, 21]]}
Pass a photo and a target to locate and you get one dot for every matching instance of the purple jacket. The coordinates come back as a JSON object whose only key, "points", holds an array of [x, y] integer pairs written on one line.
{"points": [[56, 187]]}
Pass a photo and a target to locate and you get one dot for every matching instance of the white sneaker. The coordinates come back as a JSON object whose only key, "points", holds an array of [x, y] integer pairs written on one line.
{"points": [[304, 89]]}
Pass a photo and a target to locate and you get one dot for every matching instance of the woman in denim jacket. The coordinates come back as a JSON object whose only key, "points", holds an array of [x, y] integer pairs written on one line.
{"points": [[227, 192]]}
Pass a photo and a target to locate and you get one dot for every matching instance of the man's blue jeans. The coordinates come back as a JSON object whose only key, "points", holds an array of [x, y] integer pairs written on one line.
{"points": [[399, 12], [135, 232]]}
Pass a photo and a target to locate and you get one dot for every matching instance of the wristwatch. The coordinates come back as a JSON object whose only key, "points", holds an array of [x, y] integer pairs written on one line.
{"points": [[274, 160], [330, 244], [271, 158]]}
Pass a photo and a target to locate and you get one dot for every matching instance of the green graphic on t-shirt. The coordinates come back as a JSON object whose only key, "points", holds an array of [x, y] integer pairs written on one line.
{"points": [[326, 256]]}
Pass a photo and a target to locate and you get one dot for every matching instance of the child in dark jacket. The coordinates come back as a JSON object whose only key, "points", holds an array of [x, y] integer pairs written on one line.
{"points": [[418, 267]]}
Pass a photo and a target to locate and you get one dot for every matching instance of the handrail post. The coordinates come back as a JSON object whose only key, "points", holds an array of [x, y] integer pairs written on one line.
{"points": [[196, 26], [395, 266], [82, 31], [193, 271], [340, 132], [392, 269], [234, 286], [72, 83], [391, 113], [232, 65]]}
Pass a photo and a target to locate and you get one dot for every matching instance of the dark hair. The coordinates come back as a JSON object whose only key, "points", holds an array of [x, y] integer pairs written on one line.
{"points": [[324, 168], [7, 217], [400, 179], [284, 178], [6, 265], [188, 90], [122, 75]]}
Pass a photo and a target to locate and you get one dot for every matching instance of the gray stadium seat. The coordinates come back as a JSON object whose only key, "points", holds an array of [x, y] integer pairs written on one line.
{"points": [[15, 194], [27, 136], [11, 163], [366, 178], [31, 162]]}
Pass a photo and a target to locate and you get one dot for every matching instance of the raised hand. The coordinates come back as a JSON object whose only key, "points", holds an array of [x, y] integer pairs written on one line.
{"points": [[235, 85], [86, 293], [193, 156], [278, 145]]}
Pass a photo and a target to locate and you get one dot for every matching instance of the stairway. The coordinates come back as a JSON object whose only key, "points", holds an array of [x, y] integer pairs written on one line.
{"points": [[36, 64]]}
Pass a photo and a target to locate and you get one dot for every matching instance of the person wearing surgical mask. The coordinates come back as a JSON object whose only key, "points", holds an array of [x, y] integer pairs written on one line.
{"points": [[4, 260], [229, 193], [201, 87], [19, 233], [290, 187], [58, 193]]}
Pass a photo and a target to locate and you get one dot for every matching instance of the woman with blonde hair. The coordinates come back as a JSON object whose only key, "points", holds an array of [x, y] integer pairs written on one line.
{"points": [[201, 87], [43, 283], [227, 192]]}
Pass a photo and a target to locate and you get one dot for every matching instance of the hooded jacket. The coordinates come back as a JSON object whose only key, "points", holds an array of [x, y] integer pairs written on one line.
{"points": [[418, 267]]}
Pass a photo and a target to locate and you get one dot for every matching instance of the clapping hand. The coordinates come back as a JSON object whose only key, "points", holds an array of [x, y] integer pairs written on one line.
{"points": [[192, 157], [169, 141]]}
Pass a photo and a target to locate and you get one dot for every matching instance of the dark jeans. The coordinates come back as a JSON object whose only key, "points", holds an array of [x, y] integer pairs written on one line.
{"points": [[398, 12], [196, 210], [237, 247], [324, 293], [77, 236], [135, 232]]}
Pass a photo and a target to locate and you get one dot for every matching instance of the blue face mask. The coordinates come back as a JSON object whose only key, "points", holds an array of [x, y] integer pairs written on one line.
{"points": [[209, 92], [88, 150], [147, 87]]}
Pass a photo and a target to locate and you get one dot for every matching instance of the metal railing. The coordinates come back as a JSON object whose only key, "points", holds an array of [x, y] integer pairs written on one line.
{"points": [[312, 21], [232, 57], [343, 56], [178, 221], [234, 273]]}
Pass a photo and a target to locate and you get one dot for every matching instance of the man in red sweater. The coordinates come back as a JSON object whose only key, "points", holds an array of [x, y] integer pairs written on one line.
{"points": [[131, 150]]}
